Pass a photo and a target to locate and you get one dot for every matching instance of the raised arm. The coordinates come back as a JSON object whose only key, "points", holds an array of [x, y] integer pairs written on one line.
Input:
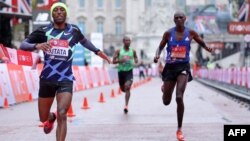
{"points": [[161, 46]]}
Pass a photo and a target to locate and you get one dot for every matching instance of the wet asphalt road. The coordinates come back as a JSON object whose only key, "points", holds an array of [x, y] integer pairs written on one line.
{"points": [[206, 111]]}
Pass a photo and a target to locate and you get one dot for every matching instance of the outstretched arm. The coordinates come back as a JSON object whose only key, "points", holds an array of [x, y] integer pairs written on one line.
{"points": [[200, 41], [104, 56], [161, 46], [86, 43]]}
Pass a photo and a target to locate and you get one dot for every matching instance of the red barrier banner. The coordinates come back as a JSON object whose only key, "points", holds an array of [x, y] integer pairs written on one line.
{"points": [[89, 77], [78, 82], [6, 89], [24, 58], [18, 57], [106, 76], [3, 52], [18, 83], [98, 74], [32, 80], [12, 55], [84, 76]]}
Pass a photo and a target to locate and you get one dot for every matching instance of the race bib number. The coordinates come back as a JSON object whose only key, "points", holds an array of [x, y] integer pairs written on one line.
{"points": [[127, 58], [178, 52], [59, 50]]}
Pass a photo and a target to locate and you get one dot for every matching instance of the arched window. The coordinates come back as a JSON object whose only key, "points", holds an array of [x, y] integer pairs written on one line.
{"points": [[99, 3], [100, 24], [118, 3], [81, 3], [81, 22], [118, 26]]}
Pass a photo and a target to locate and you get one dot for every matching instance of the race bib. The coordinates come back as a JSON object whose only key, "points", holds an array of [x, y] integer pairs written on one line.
{"points": [[127, 58], [178, 52], [59, 50]]}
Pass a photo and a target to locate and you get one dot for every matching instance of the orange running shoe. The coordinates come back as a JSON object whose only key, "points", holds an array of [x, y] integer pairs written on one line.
{"points": [[179, 135], [49, 125]]}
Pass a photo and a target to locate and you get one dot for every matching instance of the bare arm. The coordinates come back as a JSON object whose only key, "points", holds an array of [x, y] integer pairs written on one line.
{"points": [[86, 43], [135, 57], [104, 56], [115, 57], [161, 46], [200, 41]]}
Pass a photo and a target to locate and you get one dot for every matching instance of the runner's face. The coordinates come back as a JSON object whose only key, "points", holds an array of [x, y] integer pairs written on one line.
{"points": [[59, 15], [179, 19], [126, 42]]}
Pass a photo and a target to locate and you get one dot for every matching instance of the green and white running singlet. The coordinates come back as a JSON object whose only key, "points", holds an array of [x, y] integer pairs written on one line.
{"points": [[129, 57]]}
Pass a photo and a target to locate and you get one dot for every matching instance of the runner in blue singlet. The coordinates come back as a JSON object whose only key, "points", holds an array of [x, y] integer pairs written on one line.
{"points": [[57, 40], [177, 68]]}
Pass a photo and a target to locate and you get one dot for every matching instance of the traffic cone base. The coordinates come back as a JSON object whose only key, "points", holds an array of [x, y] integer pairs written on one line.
{"points": [[30, 97], [85, 104], [112, 93], [101, 99], [6, 103]]}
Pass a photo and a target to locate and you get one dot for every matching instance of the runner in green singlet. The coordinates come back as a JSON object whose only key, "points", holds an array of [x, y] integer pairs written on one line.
{"points": [[125, 58]]}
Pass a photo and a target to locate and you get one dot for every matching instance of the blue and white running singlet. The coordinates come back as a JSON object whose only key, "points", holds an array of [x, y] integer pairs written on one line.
{"points": [[57, 61], [178, 51]]}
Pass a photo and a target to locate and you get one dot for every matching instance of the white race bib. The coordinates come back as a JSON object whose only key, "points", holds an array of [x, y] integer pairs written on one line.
{"points": [[59, 50]]}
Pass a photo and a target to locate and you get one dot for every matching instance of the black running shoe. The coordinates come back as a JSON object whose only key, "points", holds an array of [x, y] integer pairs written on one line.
{"points": [[125, 110]]}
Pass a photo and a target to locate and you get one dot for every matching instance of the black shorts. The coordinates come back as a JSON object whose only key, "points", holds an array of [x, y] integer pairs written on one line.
{"points": [[125, 76], [171, 71], [50, 89]]}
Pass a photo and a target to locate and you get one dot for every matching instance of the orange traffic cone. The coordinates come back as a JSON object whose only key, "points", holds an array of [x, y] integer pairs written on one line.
{"points": [[30, 97], [85, 104], [6, 103], [112, 93], [70, 112], [101, 99]]}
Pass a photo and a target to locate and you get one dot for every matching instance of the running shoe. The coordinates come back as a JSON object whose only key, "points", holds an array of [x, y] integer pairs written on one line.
{"points": [[125, 110], [49, 125], [179, 135]]}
